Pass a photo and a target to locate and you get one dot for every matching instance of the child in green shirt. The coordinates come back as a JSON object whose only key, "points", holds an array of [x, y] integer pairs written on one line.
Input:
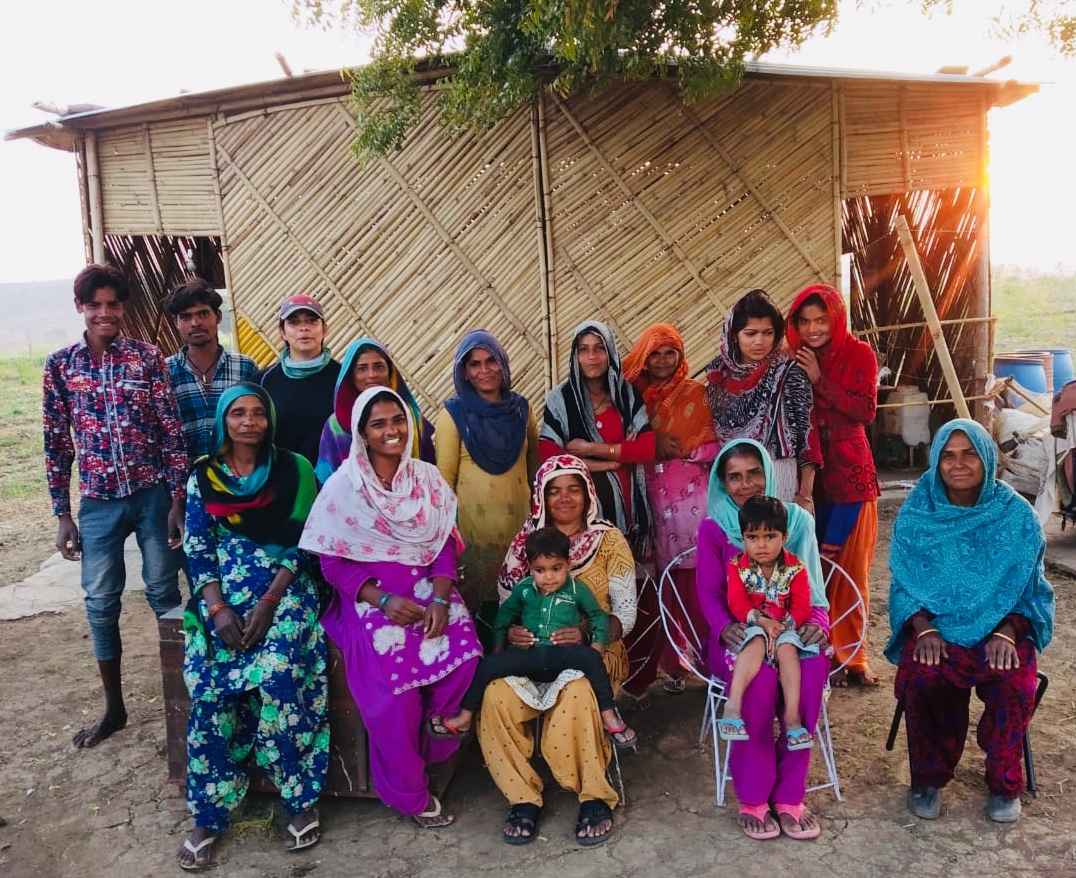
{"points": [[545, 601]]}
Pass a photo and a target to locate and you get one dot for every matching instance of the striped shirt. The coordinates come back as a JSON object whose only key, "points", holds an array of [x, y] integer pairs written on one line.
{"points": [[198, 400]]}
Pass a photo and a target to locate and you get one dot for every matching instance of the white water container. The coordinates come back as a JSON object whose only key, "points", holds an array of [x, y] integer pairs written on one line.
{"points": [[912, 420]]}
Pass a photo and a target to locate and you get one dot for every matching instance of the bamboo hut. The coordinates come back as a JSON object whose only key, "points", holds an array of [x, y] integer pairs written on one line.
{"points": [[628, 206]]}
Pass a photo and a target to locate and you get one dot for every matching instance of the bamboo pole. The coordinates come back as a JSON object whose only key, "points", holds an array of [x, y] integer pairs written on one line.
{"points": [[895, 326], [838, 234], [927, 302], [540, 235], [93, 176], [982, 358], [225, 247], [151, 173], [84, 197], [1015, 388], [551, 252]]}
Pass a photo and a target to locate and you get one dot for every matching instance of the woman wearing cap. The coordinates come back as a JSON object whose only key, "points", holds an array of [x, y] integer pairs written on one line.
{"points": [[303, 382]]}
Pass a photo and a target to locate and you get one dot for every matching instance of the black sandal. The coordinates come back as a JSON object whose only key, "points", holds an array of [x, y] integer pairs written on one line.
{"points": [[591, 813], [522, 816]]}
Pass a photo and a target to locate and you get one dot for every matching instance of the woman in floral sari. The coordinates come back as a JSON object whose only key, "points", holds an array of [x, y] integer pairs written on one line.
{"points": [[574, 743], [675, 404], [384, 525], [254, 653]]}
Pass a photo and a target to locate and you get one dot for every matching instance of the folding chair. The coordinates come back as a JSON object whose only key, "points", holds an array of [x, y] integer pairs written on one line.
{"points": [[716, 694], [1029, 757]]}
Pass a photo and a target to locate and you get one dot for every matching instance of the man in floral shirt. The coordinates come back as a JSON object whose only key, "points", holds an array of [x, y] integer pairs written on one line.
{"points": [[112, 393]]}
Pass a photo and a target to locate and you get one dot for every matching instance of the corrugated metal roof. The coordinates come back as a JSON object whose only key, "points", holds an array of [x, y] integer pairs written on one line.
{"points": [[60, 133]]}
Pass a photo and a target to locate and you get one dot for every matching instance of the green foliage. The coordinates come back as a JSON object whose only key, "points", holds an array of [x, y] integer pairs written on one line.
{"points": [[1055, 19], [1034, 310], [502, 51]]}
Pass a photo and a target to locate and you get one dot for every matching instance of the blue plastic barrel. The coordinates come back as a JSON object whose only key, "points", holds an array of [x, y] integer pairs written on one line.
{"points": [[1063, 372], [1028, 371]]}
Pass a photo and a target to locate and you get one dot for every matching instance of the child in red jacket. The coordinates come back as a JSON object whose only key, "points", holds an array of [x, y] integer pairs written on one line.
{"points": [[768, 589]]}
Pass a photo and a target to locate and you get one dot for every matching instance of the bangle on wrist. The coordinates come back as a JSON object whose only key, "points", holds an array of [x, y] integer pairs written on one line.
{"points": [[382, 601], [269, 599], [1011, 640], [440, 600], [926, 631], [215, 608]]}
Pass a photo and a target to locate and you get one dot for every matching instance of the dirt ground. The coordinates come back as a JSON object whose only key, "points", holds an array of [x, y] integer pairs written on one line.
{"points": [[110, 811]]}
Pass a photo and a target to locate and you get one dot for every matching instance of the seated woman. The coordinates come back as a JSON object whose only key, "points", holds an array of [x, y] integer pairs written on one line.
{"points": [[487, 450], [365, 364], [766, 774], [254, 653], [384, 528], [574, 742], [969, 607]]}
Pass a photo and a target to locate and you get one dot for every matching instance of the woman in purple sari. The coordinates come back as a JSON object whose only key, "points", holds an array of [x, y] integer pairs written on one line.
{"points": [[384, 528], [767, 776]]}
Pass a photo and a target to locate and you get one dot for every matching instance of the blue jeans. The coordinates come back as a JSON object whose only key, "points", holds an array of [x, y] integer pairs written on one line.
{"points": [[103, 526]]}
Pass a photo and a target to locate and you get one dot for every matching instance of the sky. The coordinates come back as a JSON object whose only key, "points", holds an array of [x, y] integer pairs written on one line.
{"points": [[118, 52]]}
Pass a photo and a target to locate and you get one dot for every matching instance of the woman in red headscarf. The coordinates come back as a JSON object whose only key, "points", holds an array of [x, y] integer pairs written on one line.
{"points": [[676, 489], [844, 374]]}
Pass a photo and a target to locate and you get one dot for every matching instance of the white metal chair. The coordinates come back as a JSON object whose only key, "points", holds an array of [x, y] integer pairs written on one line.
{"points": [[715, 694]]}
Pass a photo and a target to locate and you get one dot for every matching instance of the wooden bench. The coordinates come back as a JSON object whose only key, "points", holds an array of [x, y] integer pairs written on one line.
{"points": [[349, 762]]}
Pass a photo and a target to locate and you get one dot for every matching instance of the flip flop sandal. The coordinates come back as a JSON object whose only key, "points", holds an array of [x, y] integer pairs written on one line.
{"points": [[439, 728], [623, 738], [760, 813], [674, 685], [799, 738], [591, 813], [196, 850], [732, 729], [796, 812], [433, 818], [301, 839], [522, 816]]}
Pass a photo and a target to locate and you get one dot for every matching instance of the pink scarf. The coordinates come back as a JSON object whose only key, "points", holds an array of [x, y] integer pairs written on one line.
{"points": [[356, 517]]}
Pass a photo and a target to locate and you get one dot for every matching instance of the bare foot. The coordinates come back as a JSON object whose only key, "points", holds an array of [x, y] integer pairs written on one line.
{"points": [[862, 678], [93, 735], [754, 826], [204, 842]]}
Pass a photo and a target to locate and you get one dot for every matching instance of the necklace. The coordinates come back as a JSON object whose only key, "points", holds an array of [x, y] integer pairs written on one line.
{"points": [[234, 467], [206, 375]]}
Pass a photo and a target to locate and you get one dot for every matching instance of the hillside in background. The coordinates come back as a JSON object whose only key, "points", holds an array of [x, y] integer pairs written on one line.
{"points": [[1033, 310], [37, 317]]}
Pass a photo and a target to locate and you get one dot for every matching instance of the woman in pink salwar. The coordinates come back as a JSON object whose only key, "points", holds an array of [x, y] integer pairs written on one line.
{"points": [[384, 528], [767, 776]]}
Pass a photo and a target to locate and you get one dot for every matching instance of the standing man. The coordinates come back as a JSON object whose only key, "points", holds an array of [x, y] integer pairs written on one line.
{"points": [[202, 370], [303, 383], [113, 394]]}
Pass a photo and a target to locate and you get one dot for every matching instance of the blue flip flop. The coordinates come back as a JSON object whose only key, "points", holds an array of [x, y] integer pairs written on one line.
{"points": [[732, 729], [799, 738]]}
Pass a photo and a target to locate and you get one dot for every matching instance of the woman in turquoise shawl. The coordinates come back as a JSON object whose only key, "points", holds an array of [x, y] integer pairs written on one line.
{"points": [[366, 363], [766, 775], [969, 607], [254, 652]]}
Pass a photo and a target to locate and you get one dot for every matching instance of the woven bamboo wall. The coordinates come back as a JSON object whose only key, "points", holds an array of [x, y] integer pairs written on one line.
{"points": [[158, 179], [900, 138], [662, 212], [627, 207], [415, 250]]}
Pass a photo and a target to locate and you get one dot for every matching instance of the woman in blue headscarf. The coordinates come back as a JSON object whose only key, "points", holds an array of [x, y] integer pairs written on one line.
{"points": [[969, 607], [487, 451], [254, 651]]}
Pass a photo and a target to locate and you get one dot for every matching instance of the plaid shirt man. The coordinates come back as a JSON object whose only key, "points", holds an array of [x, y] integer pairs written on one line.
{"points": [[123, 416], [198, 399]]}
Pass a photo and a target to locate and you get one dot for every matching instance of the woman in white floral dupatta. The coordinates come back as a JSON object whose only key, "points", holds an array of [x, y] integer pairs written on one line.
{"points": [[384, 526]]}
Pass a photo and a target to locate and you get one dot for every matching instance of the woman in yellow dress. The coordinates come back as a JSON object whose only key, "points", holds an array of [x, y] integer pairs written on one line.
{"points": [[574, 743], [487, 451]]}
